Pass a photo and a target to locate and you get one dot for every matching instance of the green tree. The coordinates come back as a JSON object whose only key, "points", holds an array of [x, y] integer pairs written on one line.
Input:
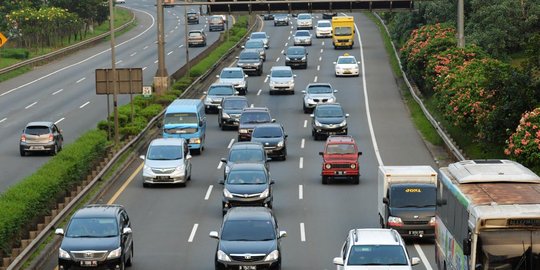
{"points": [[91, 12]]}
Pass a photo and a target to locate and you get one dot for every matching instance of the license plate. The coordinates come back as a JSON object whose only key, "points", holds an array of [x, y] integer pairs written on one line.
{"points": [[248, 267], [340, 172], [347, 72], [416, 233], [89, 263], [163, 178], [37, 148]]}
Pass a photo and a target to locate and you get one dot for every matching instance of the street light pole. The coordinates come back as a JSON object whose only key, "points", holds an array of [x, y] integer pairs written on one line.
{"points": [[161, 80], [188, 73], [113, 71], [461, 23]]}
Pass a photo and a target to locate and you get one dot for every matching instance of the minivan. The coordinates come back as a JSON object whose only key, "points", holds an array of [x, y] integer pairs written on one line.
{"points": [[167, 161], [186, 118]]}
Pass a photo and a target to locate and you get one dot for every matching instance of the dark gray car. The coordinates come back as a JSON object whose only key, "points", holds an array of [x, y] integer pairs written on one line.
{"points": [[272, 136], [41, 137], [230, 110], [250, 60], [296, 56], [328, 119], [245, 152], [250, 118]]}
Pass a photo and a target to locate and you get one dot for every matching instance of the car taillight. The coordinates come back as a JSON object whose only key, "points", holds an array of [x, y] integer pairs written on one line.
{"points": [[51, 137], [23, 138], [328, 166]]}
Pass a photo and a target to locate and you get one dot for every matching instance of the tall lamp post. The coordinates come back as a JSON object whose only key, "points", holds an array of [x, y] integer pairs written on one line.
{"points": [[188, 73], [113, 71], [161, 79], [461, 23]]}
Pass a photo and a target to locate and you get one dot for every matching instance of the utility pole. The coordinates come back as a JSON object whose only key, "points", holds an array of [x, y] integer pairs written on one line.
{"points": [[188, 73], [461, 22], [113, 70], [161, 80]]}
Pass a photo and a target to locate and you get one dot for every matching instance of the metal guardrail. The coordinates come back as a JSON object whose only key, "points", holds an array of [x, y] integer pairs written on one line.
{"points": [[69, 49], [40, 238], [455, 151]]}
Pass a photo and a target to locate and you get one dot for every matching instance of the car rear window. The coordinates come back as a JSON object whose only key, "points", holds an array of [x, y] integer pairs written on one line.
{"points": [[267, 132], [247, 155], [255, 117], [195, 34], [340, 149], [37, 130]]}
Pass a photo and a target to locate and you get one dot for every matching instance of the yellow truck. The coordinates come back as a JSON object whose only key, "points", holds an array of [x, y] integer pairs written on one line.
{"points": [[343, 32]]}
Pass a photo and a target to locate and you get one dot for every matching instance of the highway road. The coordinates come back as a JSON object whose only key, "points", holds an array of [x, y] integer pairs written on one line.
{"points": [[171, 225], [63, 91]]}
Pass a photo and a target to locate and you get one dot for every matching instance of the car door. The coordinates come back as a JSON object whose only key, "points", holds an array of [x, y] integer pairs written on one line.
{"points": [[127, 239]]}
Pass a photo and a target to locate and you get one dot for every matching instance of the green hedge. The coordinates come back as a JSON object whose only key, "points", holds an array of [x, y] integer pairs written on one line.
{"points": [[34, 197], [15, 53]]}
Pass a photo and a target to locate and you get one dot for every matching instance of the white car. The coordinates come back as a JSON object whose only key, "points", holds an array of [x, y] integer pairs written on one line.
{"points": [[323, 29], [367, 249], [346, 65], [304, 21], [281, 79], [260, 36], [167, 161]]}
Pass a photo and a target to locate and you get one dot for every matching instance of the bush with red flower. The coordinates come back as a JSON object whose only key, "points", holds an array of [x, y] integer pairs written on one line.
{"points": [[524, 144]]}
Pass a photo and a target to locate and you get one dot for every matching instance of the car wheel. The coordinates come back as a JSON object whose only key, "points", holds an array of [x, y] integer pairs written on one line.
{"points": [[324, 180], [130, 259], [269, 205], [356, 180], [196, 151], [122, 265], [22, 152], [144, 184], [304, 108], [54, 151], [314, 134]]}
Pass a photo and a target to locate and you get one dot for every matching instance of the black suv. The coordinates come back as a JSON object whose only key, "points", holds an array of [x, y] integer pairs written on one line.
{"points": [[249, 239], [247, 184], [251, 61], [192, 17], [328, 119], [251, 117], [296, 56], [244, 152], [97, 236], [230, 110], [273, 138], [41, 137]]}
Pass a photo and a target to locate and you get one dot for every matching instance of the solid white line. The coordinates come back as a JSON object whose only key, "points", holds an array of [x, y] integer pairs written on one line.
{"points": [[60, 120], [305, 123], [144, 68], [320, 58], [118, 62], [316, 78], [219, 165], [207, 196], [4, 119], [300, 192], [321, 50], [277, 60], [80, 62], [170, 53], [302, 232], [133, 54], [80, 80], [259, 92], [57, 92], [155, 62], [301, 163], [230, 144], [423, 257], [193, 231], [82, 106], [30, 105], [302, 143], [318, 67], [265, 79]]}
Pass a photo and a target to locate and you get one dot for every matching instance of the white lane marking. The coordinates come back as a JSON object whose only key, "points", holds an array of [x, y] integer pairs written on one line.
{"points": [[207, 196], [259, 92], [286, 44], [170, 53], [4, 119], [144, 68], [54, 93], [193, 231], [60, 120], [172, 31], [301, 163], [282, 51], [87, 59], [82, 106], [230, 143], [145, 47], [30, 105], [277, 60], [320, 58], [300, 192], [322, 43], [423, 257], [305, 123], [289, 38], [302, 144], [321, 50], [133, 54], [155, 62], [315, 79], [80, 80], [302, 232], [118, 62], [182, 45], [290, 32], [265, 79], [318, 67], [176, 27], [166, 36]]}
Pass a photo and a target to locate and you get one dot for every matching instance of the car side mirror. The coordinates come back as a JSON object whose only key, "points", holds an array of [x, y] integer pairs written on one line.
{"points": [[273, 120], [311, 115], [59, 231], [415, 260], [205, 92], [214, 234], [441, 202], [272, 182], [294, 75], [321, 153], [142, 157], [358, 62], [188, 157], [346, 115], [332, 62], [224, 160], [385, 200], [304, 91], [338, 261], [126, 230], [245, 76], [335, 91], [282, 234], [221, 182], [265, 47], [236, 92], [359, 153], [268, 159]]}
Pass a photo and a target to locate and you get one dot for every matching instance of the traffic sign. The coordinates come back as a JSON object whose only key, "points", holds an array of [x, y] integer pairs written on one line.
{"points": [[147, 91], [3, 40]]}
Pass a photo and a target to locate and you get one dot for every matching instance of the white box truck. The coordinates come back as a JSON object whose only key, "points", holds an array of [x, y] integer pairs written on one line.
{"points": [[407, 199]]}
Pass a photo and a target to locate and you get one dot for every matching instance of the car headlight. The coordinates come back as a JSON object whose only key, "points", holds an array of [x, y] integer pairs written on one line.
{"points": [[280, 144], [63, 254], [332, 99], [195, 140], [432, 221], [272, 83], [242, 130], [240, 64], [353, 166], [147, 169], [221, 256], [328, 166], [225, 115], [287, 58], [290, 82], [265, 193], [115, 253], [180, 169], [394, 221], [303, 58], [274, 255], [227, 194], [317, 123]]}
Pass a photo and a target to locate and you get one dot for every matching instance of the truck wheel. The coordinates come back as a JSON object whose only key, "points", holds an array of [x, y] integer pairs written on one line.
{"points": [[356, 180], [381, 222], [325, 180]]}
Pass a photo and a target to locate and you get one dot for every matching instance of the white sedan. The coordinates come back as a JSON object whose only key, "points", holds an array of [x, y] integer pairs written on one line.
{"points": [[346, 65]]}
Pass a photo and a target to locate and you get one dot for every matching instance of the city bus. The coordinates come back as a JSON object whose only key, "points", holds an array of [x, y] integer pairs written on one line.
{"points": [[487, 216]]}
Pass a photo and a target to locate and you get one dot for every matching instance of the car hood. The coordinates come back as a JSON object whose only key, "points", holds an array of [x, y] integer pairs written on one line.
{"points": [[281, 79], [246, 189], [302, 37], [320, 96], [214, 98], [324, 28], [232, 111], [295, 55], [250, 247], [163, 163], [344, 158], [379, 267], [251, 125], [231, 80], [79, 244], [413, 213], [248, 61], [331, 120], [347, 66], [267, 141]]}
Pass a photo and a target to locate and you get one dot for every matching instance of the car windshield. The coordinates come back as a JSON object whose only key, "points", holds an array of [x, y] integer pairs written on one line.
{"points": [[254, 44], [304, 17], [282, 73], [235, 73], [320, 89], [235, 104], [267, 132], [377, 255], [413, 196], [324, 24], [343, 31], [221, 91], [246, 177], [195, 34], [248, 230], [246, 155], [258, 36], [330, 112], [37, 130], [346, 60], [340, 149], [164, 152], [255, 117], [216, 19], [92, 227], [180, 118], [295, 51], [302, 34], [280, 16], [250, 55]]}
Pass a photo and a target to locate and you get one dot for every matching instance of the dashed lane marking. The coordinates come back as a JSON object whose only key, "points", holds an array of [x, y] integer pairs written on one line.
{"points": [[300, 192], [301, 163], [82, 106], [133, 54], [193, 232], [302, 232], [80, 80], [302, 143], [305, 123], [54, 93], [259, 92], [29, 106], [59, 120], [208, 192]]}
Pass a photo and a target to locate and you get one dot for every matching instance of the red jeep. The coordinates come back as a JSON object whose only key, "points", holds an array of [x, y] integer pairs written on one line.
{"points": [[340, 159]]}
